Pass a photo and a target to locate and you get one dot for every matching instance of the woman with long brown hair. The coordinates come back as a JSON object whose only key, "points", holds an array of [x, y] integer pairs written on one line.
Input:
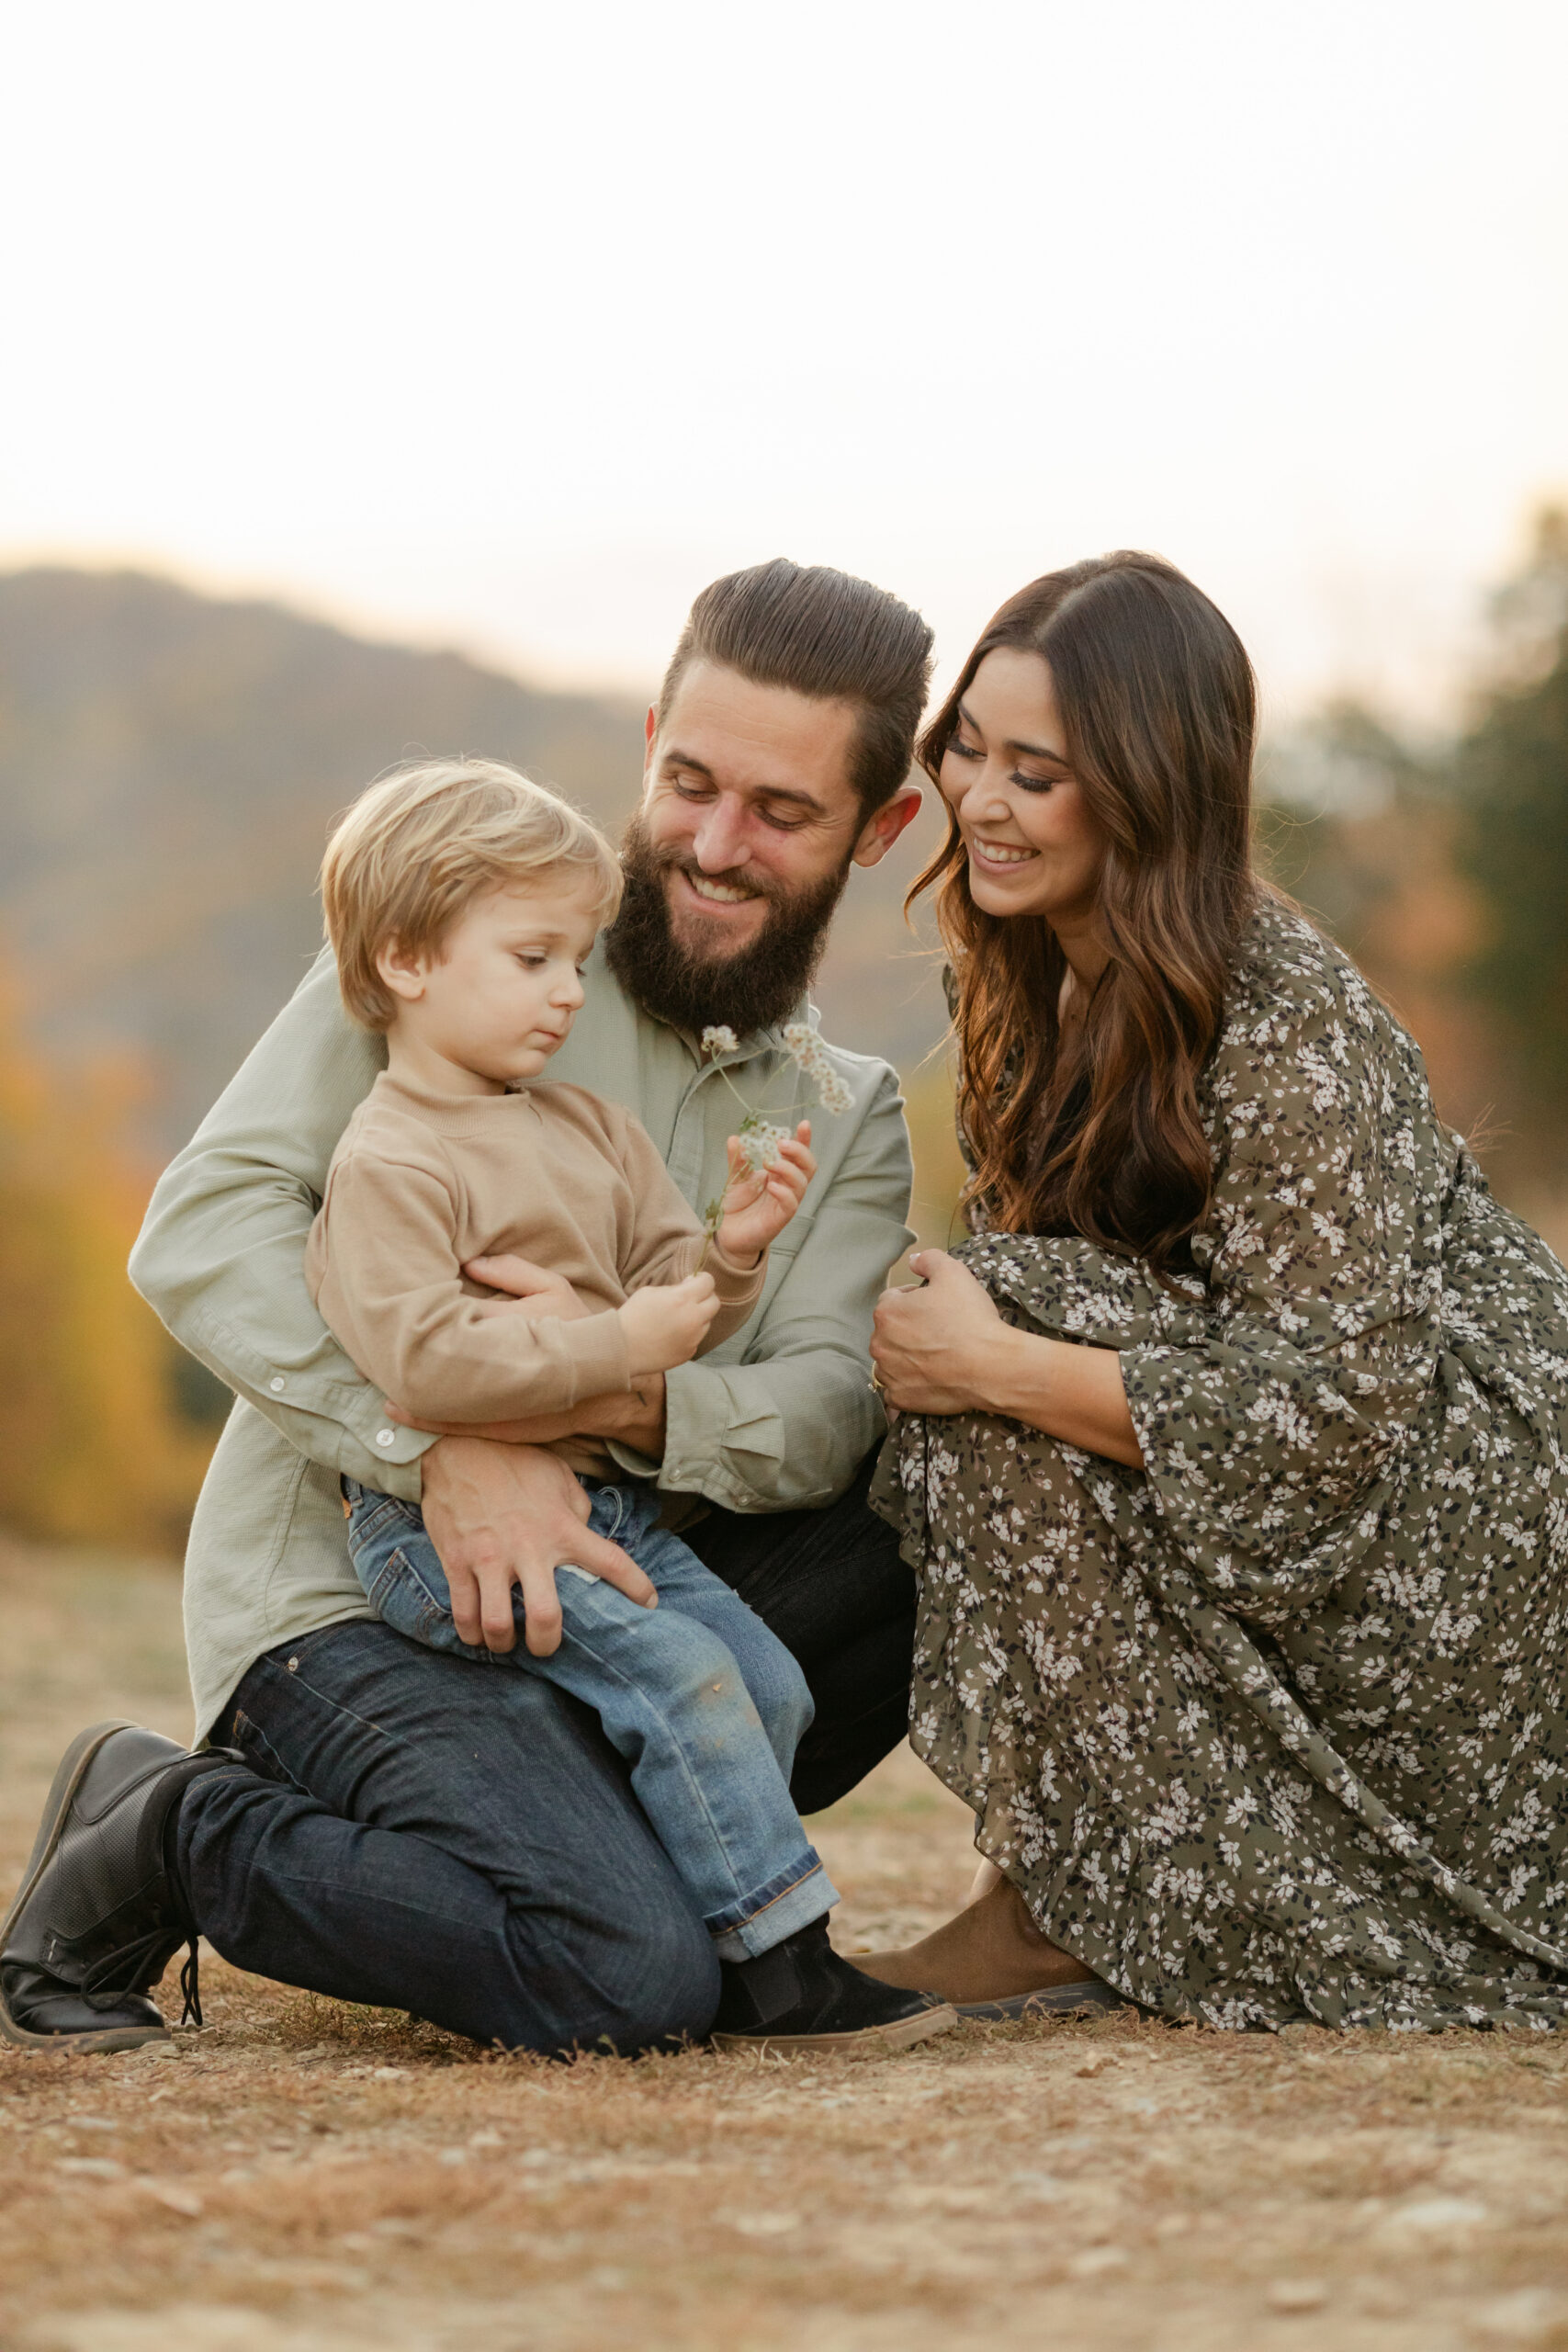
{"points": [[1230, 1450]]}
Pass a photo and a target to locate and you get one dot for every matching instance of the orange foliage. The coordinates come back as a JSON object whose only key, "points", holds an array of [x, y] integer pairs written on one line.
{"points": [[92, 1446]]}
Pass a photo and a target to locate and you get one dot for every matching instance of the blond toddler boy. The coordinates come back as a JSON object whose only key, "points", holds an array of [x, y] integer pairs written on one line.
{"points": [[462, 902]]}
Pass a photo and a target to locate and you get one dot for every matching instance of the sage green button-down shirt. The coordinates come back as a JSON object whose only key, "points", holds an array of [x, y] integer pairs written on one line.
{"points": [[776, 1418]]}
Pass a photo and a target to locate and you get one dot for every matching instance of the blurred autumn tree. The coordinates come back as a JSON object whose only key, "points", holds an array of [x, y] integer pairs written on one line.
{"points": [[1359, 826], [1444, 869], [94, 1446], [1510, 775]]}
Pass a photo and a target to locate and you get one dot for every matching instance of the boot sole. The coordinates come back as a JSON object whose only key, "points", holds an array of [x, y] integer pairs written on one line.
{"points": [[1052, 2000], [67, 1781], [898, 2036]]}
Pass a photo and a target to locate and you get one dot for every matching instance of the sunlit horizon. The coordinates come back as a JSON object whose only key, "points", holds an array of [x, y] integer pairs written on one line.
{"points": [[510, 334]]}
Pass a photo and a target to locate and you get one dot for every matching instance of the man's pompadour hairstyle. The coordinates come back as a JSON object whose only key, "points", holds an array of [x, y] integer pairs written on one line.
{"points": [[825, 634], [423, 842]]}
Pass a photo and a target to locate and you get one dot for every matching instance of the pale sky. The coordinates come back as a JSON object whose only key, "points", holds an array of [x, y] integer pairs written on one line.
{"points": [[508, 326]]}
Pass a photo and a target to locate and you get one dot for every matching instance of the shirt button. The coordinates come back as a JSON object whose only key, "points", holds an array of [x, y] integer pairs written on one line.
{"points": [[386, 1437], [277, 1386]]}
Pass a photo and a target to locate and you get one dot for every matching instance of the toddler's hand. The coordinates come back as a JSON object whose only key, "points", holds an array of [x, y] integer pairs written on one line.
{"points": [[758, 1206], [667, 1323]]}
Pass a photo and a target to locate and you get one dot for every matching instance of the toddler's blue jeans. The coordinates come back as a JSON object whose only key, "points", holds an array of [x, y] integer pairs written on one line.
{"points": [[704, 1704]]}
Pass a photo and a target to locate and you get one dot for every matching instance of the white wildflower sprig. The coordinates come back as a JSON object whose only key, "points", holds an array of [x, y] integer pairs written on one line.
{"points": [[809, 1054], [759, 1138], [804, 1046], [760, 1142]]}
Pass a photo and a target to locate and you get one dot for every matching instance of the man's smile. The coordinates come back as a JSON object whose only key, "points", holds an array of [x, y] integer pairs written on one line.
{"points": [[717, 894]]}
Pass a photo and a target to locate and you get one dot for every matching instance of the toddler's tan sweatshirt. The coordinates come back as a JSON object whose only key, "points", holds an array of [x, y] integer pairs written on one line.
{"points": [[422, 1183]]}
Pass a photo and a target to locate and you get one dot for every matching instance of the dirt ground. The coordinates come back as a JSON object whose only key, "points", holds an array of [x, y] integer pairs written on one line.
{"points": [[303, 2177]]}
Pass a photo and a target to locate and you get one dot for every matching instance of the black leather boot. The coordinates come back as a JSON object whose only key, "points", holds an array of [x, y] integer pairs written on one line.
{"points": [[801, 1995], [100, 1911]]}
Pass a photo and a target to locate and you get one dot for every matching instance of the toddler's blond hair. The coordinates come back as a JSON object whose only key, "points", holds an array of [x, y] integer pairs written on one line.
{"points": [[424, 840]]}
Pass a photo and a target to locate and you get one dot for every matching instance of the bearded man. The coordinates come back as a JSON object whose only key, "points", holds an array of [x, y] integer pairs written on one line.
{"points": [[372, 1820]]}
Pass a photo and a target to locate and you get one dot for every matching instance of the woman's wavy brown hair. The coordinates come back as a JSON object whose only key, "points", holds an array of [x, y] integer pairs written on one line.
{"points": [[1101, 1136]]}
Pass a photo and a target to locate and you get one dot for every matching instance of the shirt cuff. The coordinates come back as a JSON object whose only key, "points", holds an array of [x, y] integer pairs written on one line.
{"points": [[709, 1445], [736, 1285], [627, 1457]]}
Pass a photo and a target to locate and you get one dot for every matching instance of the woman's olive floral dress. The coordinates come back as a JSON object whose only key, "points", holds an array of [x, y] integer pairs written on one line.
{"points": [[1273, 1727]]}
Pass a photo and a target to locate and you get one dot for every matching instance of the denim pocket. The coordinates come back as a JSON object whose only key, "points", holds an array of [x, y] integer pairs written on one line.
{"points": [[375, 1517], [626, 1513], [259, 1751], [407, 1599]]}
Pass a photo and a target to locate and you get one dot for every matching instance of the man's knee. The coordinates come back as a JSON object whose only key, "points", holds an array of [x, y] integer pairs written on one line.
{"points": [[653, 1986], [679, 1982]]}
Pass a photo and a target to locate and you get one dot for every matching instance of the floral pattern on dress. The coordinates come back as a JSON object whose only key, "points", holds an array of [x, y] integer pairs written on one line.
{"points": [[1273, 1728]]}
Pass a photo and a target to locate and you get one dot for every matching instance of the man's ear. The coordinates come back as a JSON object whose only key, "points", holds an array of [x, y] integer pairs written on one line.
{"points": [[650, 736], [401, 971], [882, 831]]}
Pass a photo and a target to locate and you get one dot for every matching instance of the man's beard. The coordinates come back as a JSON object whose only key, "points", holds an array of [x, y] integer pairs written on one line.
{"points": [[753, 988]]}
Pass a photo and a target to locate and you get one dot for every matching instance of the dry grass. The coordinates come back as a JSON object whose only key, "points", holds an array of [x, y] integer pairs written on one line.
{"points": [[306, 2177]]}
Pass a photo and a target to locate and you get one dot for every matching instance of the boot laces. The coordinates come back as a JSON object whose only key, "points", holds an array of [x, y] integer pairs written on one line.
{"points": [[190, 1986], [128, 1970]]}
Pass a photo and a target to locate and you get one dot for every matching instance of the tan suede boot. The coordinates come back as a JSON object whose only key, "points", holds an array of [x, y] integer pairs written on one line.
{"points": [[990, 1952]]}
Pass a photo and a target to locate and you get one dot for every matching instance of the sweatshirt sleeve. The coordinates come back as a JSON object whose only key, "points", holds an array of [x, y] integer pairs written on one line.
{"points": [[667, 1241], [384, 1265]]}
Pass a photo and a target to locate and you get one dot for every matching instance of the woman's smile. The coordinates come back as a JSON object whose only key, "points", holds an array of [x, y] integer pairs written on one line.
{"points": [[998, 854]]}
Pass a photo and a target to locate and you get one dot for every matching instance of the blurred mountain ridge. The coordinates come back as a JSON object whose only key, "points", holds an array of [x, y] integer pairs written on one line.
{"points": [[169, 765]]}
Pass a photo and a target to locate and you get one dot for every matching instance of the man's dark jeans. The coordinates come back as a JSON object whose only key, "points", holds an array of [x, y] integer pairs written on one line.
{"points": [[414, 1832], [832, 1586]]}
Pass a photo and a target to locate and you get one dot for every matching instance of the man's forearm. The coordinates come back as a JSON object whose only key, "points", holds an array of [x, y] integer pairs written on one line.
{"points": [[644, 1422], [634, 1418]]}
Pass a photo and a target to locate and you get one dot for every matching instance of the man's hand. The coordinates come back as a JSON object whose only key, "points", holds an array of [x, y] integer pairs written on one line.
{"points": [[541, 1291], [501, 1516]]}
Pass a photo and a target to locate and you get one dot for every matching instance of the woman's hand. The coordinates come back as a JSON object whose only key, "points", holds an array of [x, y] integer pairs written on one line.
{"points": [[944, 1349], [931, 1344]]}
